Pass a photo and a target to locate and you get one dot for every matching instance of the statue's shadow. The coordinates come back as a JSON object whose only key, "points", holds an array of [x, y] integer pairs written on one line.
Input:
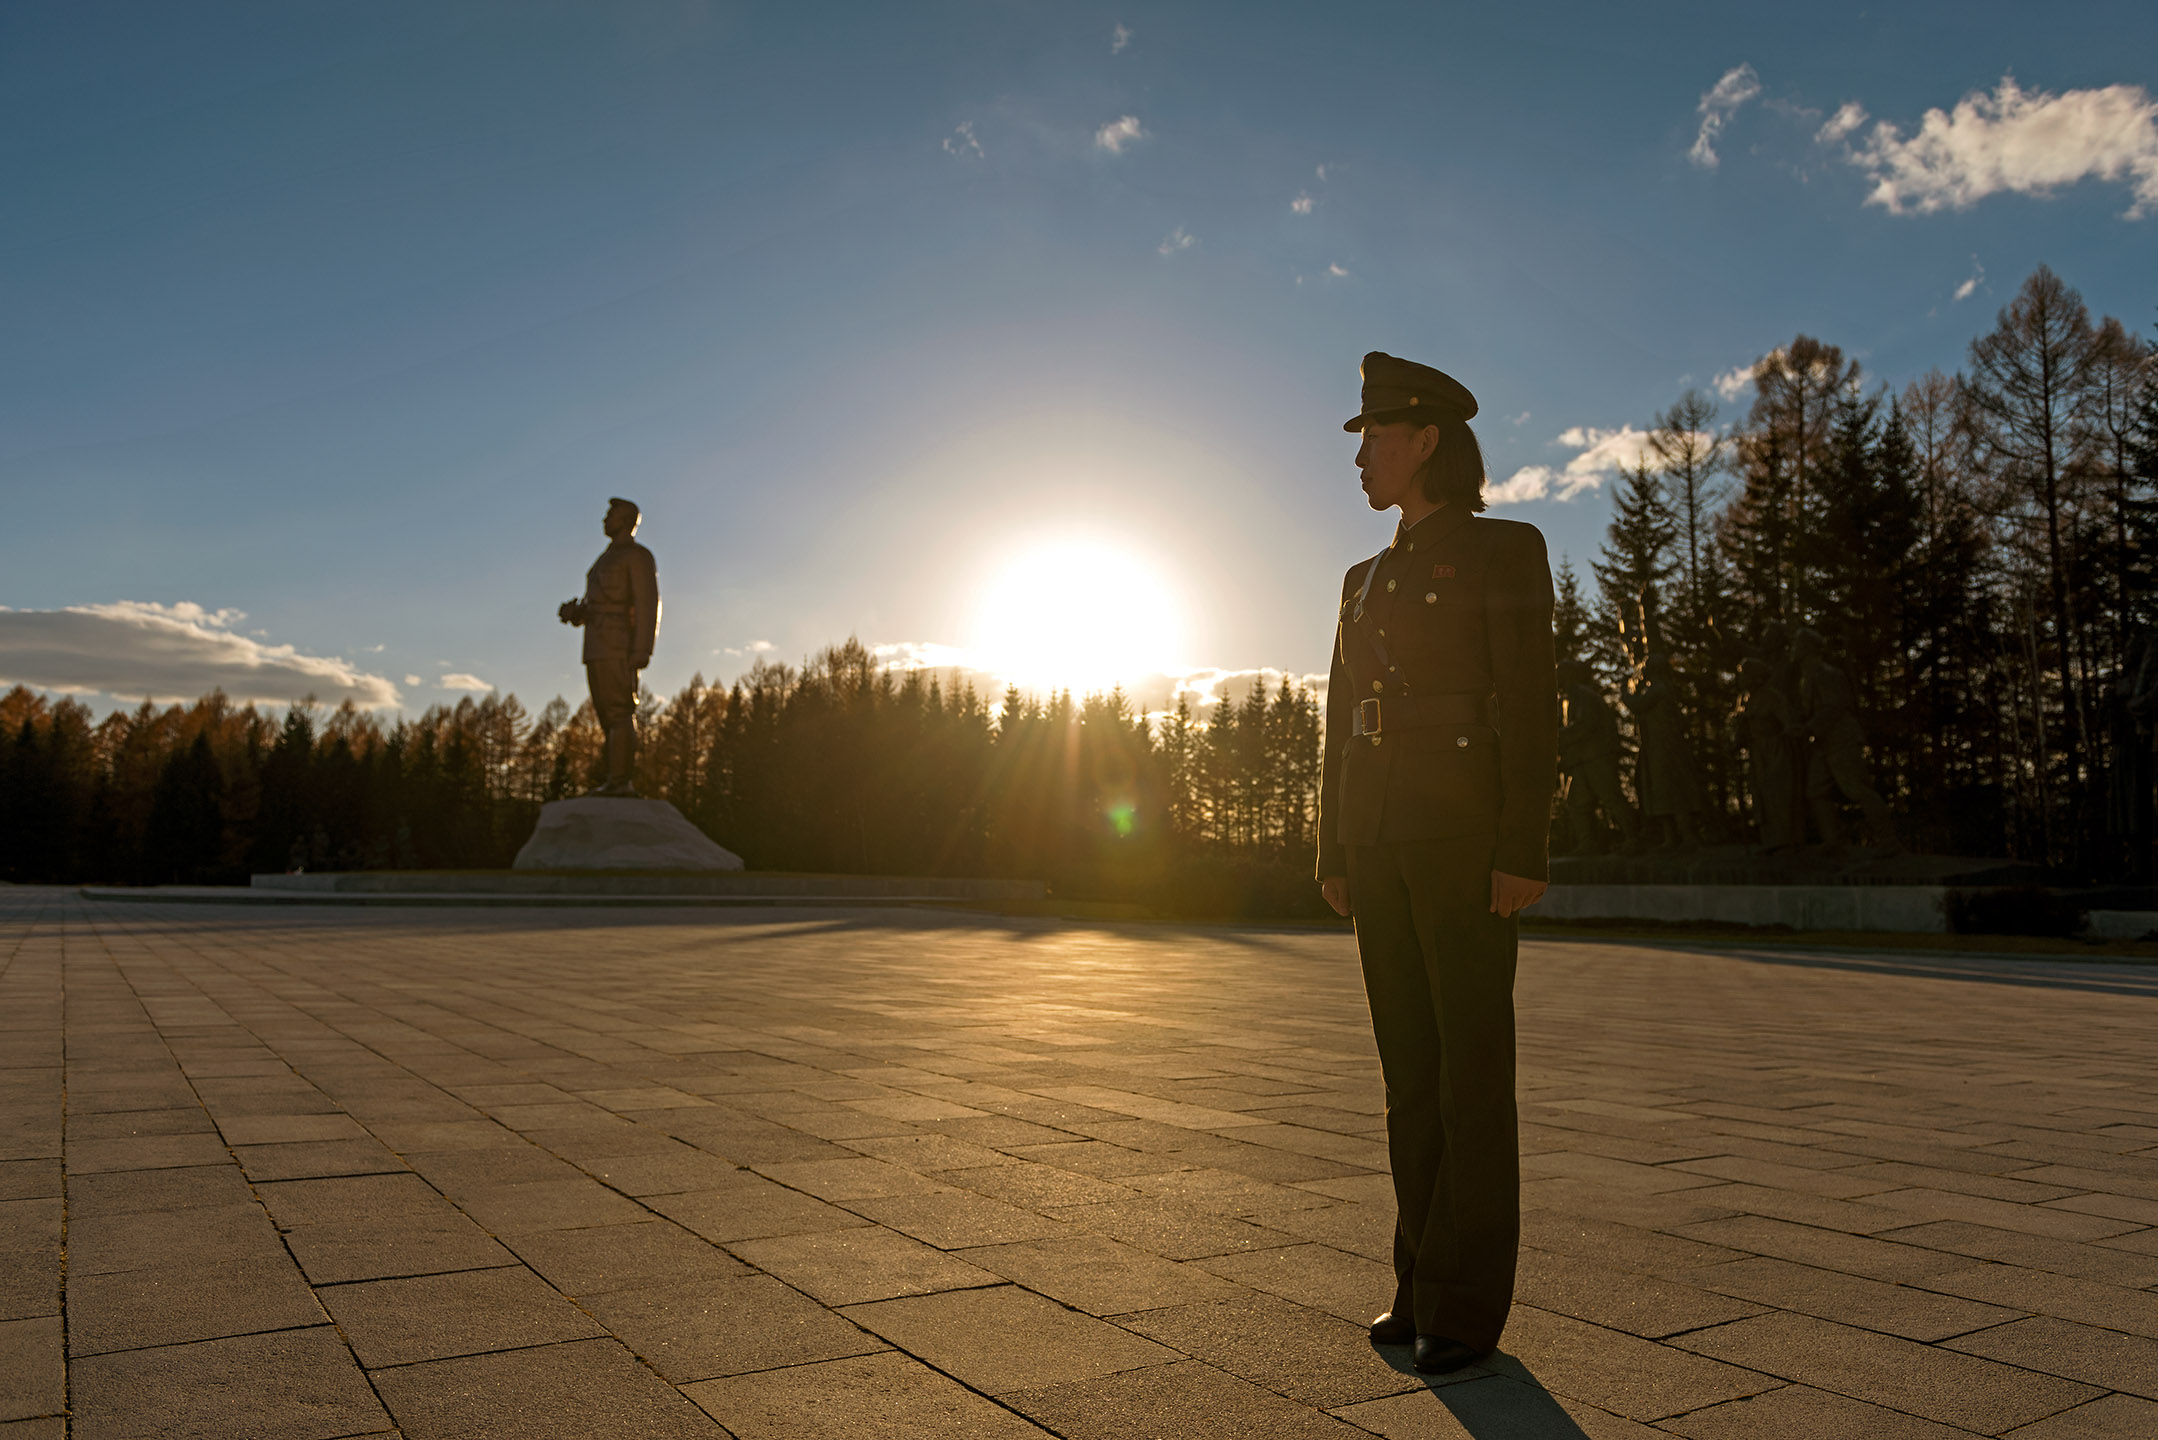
{"points": [[1499, 1399]]}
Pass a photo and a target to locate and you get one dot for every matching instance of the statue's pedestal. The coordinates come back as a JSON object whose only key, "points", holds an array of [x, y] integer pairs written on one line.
{"points": [[598, 832]]}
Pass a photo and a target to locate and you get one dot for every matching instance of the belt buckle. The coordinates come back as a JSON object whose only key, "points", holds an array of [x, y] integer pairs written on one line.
{"points": [[1367, 715]]}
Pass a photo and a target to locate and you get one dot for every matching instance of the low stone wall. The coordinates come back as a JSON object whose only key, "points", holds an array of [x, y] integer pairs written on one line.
{"points": [[2120, 924], [1909, 908], [527, 882]]}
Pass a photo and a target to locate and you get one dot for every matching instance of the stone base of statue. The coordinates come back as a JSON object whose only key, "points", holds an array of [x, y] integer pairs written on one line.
{"points": [[604, 832]]}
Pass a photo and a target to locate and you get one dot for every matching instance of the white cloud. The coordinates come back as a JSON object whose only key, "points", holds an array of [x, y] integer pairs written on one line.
{"points": [[135, 650], [1521, 419], [414, 680], [1530, 482], [961, 142], [1302, 204], [1321, 173], [460, 680], [1114, 136], [1603, 450], [1177, 239], [2025, 141], [1118, 39], [922, 655], [1337, 272], [1603, 454], [1734, 382], [1840, 125], [1718, 104], [1970, 286]]}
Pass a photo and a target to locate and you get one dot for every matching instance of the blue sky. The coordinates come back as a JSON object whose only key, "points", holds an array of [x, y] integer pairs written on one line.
{"points": [[328, 329]]}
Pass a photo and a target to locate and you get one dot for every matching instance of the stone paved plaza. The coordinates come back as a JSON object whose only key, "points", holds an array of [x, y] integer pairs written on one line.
{"points": [[310, 1172]]}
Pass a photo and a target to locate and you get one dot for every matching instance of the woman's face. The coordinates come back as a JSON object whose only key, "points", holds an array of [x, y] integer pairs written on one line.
{"points": [[1389, 459]]}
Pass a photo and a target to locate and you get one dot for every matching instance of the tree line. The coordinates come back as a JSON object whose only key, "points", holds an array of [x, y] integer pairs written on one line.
{"points": [[1977, 549], [836, 765], [1980, 551]]}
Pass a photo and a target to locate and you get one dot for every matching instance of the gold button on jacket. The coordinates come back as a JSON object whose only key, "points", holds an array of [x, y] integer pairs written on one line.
{"points": [[1476, 621]]}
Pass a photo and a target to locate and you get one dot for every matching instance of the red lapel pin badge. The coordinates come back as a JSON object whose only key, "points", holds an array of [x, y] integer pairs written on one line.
{"points": [[1442, 572]]}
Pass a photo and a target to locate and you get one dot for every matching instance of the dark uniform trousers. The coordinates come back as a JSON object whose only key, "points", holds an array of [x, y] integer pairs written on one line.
{"points": [[1442, 749], [1439, 973]]}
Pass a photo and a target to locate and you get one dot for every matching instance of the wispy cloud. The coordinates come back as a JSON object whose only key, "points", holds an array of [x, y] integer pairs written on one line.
{"points": [[1302, 204], [962, 142], [1970, 286], [1321, 173], [1718, 104], [1603, 454], [2027, 142], [461, 680], [1521, 419], [1734, 382], [1338, 272], [136, 650], [1176, 240], [1119, 38], [1118, 133], [1842, 124]]}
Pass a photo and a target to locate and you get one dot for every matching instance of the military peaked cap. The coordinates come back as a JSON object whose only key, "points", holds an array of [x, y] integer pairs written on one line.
{"points": [[1397, 389]]}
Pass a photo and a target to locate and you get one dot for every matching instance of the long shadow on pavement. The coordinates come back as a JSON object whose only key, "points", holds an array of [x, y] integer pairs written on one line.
{"points": [[1500, 1399], [2118, 977]]}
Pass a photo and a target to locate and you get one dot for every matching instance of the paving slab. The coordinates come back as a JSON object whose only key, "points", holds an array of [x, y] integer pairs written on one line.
{"points": [[1925, 1380], [618, 1171], [599, 1258], [1004, 1339], [1099, 1275], [1187, 1399], [1799, 1412], [706, 1329], [294, 1385], [2109, 1417], [887, 1396], [557, 1392], [436, 1317]]}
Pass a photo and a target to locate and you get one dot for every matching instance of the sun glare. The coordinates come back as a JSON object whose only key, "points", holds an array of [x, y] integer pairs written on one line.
{"points": [[1082, 615]]}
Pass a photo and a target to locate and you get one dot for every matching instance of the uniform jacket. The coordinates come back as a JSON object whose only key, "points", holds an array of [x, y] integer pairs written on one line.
{"points": [[621, 605], [1462, 605]]}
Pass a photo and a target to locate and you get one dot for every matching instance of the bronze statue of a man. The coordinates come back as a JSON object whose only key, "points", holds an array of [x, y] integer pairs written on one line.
{"points": [[620, 616]]}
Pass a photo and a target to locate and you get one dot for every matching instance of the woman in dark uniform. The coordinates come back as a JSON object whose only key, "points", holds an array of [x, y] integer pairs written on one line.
{"points": [[1434, 817]]}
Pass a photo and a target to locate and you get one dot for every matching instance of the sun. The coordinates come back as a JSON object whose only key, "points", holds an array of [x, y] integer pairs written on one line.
{"points": [[1077, 614]]}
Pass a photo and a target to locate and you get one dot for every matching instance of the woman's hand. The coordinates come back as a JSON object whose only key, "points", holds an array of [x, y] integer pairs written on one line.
{"points": [[1334, 890], [1510, 894]]}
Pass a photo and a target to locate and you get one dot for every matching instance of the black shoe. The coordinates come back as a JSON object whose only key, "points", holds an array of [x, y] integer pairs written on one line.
{"points": [[1437, 1355], [1393, 1328]]}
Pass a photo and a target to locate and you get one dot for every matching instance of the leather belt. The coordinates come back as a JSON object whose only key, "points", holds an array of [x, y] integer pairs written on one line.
{"points": [[1376, 714]]}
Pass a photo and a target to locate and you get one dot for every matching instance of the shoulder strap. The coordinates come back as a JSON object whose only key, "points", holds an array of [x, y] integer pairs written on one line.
{"points": [[1371, 573]]}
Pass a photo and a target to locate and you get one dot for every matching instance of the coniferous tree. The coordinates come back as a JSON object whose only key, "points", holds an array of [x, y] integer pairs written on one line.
{"points": [[1636, 559]]}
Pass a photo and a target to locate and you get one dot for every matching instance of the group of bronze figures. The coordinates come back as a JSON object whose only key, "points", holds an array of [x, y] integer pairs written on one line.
{"points": [[1797, 724]]}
